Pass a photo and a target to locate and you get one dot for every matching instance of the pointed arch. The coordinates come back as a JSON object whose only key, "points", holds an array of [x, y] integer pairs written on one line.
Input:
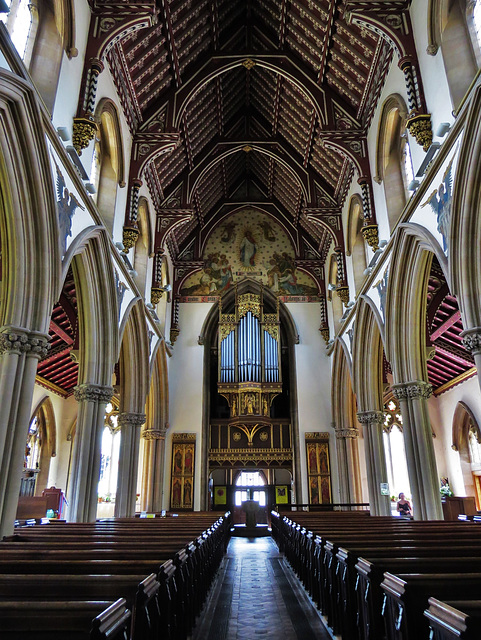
{"points": [[449, 29], [406, 299], [367, 358], [134, 362], [333, 279], [30, 250], [153, 436], [389, 155], [355, 246], [97, 306], [46, 417], [465, 228], [465, 426], [143, 246], [108, 165], [344, 410]]}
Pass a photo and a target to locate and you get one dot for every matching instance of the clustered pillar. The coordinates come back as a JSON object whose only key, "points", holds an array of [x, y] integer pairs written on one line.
{"points": [[153, 483], [20, 351], [83, 491], [347, 456], [375, 461], [130, 424], [418, 441]]}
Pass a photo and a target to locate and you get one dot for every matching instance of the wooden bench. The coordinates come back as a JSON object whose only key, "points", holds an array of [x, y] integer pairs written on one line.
{"points": [[407, 597], [454, 620], [52, 620], [97, 562]]}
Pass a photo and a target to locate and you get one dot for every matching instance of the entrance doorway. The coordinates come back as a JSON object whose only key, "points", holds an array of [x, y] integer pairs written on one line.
{"points": [[250, 485]]}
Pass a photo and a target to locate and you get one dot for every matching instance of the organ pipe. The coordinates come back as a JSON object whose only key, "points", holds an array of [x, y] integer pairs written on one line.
{"points": [[249, 355]]}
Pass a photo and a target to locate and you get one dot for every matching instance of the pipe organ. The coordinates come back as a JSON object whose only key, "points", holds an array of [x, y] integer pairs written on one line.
{"points": [[249, 374]]}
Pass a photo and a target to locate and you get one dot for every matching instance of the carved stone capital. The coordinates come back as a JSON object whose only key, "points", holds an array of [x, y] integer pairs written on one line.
{"points": [[153, 434], [93, 393], [415, 389], [132, 419], [18, 340], [371, 417], [472, 340], [347, 433]]}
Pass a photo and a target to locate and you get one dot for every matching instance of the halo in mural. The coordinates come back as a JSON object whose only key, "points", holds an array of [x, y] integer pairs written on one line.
{"points": [[249, 243]]}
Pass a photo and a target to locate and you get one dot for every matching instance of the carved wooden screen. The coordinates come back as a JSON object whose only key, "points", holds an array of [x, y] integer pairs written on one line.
{"points": [[182, 484], [318, 468]]}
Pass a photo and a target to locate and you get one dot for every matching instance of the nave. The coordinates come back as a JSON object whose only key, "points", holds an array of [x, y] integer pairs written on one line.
{"points": [[257, 595]]}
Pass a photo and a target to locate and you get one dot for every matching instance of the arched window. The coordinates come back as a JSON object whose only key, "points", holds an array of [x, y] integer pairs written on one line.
{"points": [[249, 487], [453, 26], [21, 26], [107, 170], [40, 446], [109, 462], [467, 442], [393, 159], [41, 31], [356, 247], [142, 246], [337, 310], [394, 449]]}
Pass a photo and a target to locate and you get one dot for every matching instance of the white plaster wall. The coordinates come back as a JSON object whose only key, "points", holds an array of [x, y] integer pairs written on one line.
{"points": [[432, 69], [186, 378], [441, 412], [66, 101], [313, 380]]}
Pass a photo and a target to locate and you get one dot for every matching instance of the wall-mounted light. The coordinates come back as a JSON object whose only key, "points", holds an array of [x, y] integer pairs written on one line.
{"points": [[331, 287], [442, 129]]}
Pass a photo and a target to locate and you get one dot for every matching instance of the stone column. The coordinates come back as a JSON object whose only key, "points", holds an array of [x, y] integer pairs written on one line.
{"points": [[375, 461], [20, 351], [153, 471], [418, 441], [472, 344], [130, 424], [348, 466], [85, 467]]}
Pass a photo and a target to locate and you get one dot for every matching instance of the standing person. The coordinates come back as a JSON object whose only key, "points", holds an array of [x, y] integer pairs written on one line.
{"points": [[404, 506]]}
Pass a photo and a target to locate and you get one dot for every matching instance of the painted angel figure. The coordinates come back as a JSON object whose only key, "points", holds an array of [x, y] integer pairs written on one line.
{"points": [[440, 202], [66, 205]]}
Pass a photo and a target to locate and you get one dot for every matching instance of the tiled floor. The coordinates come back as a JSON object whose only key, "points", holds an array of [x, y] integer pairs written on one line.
{"points": [[256, 595]]}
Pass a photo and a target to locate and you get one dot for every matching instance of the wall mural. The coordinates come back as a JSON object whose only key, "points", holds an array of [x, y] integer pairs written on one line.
{"points": [[260, 249]]}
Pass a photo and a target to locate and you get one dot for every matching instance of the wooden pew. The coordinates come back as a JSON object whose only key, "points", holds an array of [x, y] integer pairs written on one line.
{"points": [[76, 551], [454, 620], [57, 620], [407, 596], [335, 595], [368, 595]]}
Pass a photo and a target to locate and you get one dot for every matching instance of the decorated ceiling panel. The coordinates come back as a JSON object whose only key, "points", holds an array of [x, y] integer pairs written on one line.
{"points": [[249, 244], [264, 101]]}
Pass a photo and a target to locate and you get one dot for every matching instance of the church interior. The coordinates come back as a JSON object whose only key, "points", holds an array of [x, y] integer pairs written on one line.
{"points": [[240, 284]]}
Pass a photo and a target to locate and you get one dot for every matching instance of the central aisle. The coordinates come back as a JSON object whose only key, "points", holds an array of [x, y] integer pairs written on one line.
{"points": [[257, 595]]}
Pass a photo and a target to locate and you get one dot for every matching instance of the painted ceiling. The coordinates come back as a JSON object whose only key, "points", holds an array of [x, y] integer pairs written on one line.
{"points": [[262, 98]]}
